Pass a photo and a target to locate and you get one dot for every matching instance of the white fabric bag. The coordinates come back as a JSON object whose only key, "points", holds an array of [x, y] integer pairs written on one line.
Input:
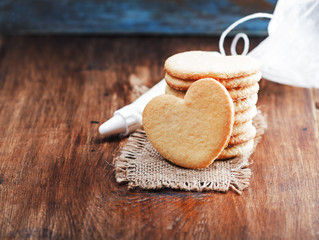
{"points": [[290, 54]]}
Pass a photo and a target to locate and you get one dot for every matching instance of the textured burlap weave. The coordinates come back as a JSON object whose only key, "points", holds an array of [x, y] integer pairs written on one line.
{"points": [[140, 165]]}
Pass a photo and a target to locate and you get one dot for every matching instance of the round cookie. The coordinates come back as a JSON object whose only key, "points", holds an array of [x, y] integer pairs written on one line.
{"points": [[202, 64], [181, 84], [249, 134], [240, 93], [241, 128], [245, 116], [237, 150], [243, 104], [181, 129], [244, 81], [176, 93], [177, 83], [236, 94]]}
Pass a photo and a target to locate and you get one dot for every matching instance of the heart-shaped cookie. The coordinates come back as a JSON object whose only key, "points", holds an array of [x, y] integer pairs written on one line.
{"points": [[193, 131]]}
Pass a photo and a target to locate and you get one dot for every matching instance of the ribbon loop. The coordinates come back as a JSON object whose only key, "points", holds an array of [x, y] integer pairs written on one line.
{"points": [[239, 35]]}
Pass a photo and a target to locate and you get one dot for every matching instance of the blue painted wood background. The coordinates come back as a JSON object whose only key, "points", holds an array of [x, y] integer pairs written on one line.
{"points": [[208, 17]]}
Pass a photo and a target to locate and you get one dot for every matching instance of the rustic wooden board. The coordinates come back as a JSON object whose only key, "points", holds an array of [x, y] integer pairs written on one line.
{"points": [[138, 16], [57, 175]]}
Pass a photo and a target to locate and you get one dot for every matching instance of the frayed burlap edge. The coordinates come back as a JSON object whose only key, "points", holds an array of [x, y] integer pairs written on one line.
{"points": [[227, 174]]}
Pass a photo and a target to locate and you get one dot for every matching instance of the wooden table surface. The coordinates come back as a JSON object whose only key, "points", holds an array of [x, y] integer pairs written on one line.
{"points": [[57, 174]]}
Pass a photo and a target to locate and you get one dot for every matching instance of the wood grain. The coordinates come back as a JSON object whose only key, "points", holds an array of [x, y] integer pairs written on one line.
{"points": [[57, 175], [130, 17]]}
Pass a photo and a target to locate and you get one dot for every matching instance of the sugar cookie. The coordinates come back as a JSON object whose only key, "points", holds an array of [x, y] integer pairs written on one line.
{"points": [[193, 131], [241, 128], [176, 93], [201, 64], [236, 94], [237, 150], [181, 84], [245, 116], [240, 93], [244, 81], [243, 104], [177, 83], [249, 134]]}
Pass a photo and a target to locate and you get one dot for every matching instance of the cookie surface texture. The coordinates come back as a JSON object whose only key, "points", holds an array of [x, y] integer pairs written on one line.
{"points": [[243, 104], [241, 93], [237, 150], [201, 64], [245, 116], [240, 105], [245, 81], [241, 128], [249, 134], [177, 83], [176, 93], [235, 94], [193, 131]]}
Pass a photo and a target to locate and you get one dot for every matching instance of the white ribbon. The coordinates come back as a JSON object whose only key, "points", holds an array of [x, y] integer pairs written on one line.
{"points": [[239, 35]]}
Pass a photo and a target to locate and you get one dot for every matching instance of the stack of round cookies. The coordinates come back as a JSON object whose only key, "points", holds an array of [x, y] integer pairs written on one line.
{"points": [[239, 75]]}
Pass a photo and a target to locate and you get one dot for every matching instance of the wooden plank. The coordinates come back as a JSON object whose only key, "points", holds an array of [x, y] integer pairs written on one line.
{"points": [[139, 16], [315, 105], [57, 175]]}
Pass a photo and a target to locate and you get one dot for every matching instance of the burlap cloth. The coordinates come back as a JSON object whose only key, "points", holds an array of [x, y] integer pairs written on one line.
{"points": [[140, 165]]}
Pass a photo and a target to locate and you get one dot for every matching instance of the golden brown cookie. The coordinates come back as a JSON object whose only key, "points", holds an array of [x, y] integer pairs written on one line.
{"points": [[237, 150], [176, 93], [245, 81], [177, 83], [249, 134], [201, 64], [191, 132], [236, 94], [240, 93], [242, 117], [241, 128], [243, 104]]}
